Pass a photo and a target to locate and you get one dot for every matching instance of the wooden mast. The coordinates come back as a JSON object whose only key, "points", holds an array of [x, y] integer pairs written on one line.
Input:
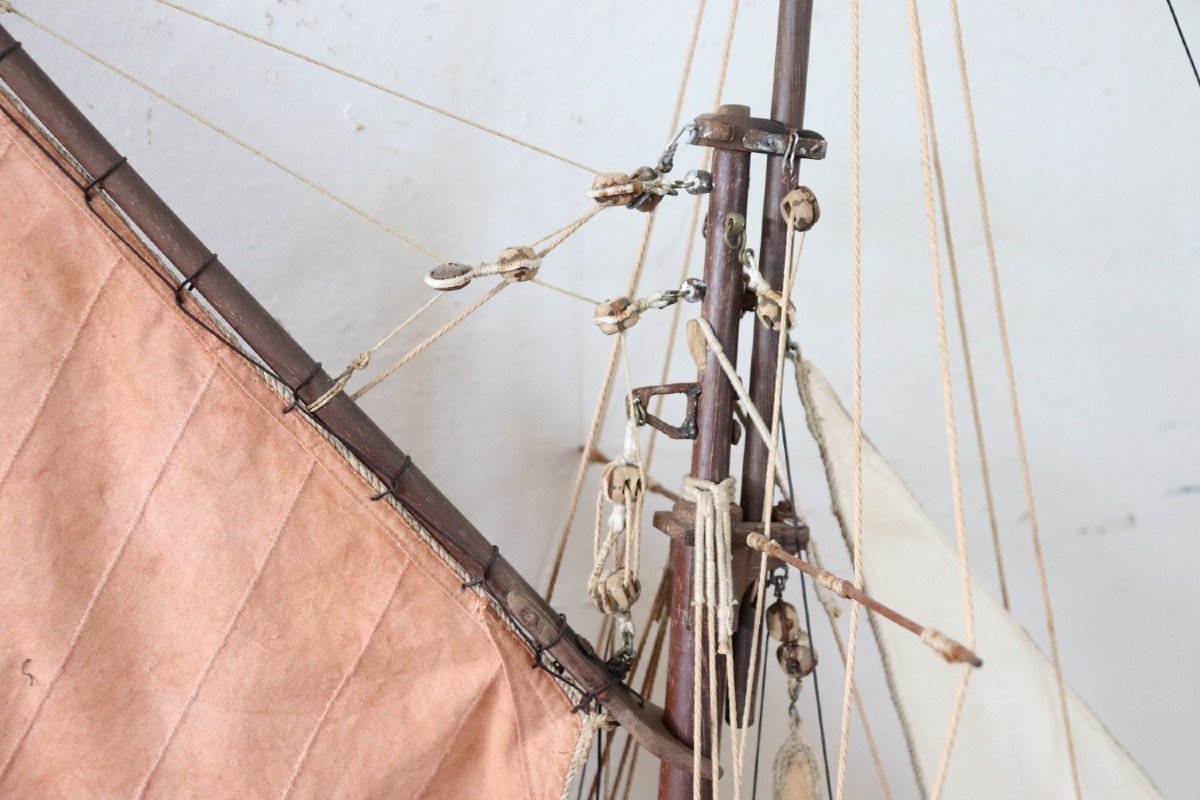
{"points": [[787, 106], [722, 308], [710, 455]]}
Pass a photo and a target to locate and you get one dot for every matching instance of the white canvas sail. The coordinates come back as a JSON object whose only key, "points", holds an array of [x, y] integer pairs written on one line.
{"points": [[1010, 742]]}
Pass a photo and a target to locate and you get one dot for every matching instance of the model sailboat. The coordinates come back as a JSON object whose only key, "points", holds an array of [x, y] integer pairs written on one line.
{"points": [[218, 577]]}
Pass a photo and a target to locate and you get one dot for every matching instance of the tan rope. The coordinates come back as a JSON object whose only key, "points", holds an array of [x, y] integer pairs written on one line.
{"points": [[922, 104], [610, 372], [230, 136], [659, 612], [439, 333], [633, 543], [815, 425], [560, 235], [601, 406], [1010, 374], [378, 86], [565, 291], [968, 367], [856, 358], [676, 316], [694, 221], [364, 358], [793, 248], [723, 67], [739, 389], [832, 613]]}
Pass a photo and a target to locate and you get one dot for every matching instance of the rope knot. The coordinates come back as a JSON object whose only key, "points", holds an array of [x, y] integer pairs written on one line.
{"points": [[712, 580], [699, 490], [360, 362]]}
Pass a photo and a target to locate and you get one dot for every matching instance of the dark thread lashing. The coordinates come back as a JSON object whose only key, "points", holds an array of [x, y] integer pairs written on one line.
{"points": [[540, 649], [391, 483], [8, 51], [593, 695], [99, 180], [189, 283], [296, 389], [487, 568]]}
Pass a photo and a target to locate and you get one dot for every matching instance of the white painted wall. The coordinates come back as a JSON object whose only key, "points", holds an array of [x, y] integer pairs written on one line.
{"points": [[1088, 117]]}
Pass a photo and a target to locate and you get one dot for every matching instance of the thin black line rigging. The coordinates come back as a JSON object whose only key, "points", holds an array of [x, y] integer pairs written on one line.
{"points": [[1183, 39]]}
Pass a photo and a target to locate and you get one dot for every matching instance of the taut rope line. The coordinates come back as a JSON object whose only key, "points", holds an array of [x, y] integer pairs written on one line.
{"points": [[439, 333], [964, 340], [601, 406], [215, 128], [1010, 374], [856, 357], [555, 238], [922, 104], [832, 612], [794, 247], [378, 86]]}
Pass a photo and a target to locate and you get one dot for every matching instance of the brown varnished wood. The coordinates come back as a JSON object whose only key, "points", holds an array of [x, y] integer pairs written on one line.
{"points": [[341, 417], [787, 108], [710, 455]]}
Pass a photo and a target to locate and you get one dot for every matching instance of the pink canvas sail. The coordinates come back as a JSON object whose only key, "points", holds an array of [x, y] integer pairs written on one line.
{"points": [[197, 596]]}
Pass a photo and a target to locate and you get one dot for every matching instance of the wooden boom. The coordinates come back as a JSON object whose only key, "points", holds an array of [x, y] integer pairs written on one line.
{"points": [[341, 417]]}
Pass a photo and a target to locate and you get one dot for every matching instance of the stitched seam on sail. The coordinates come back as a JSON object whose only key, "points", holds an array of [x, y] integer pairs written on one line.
{"points": [[437, 765], [111, 566], [228, 633], [68, 167], [306, 750], [63, 358], [516, 717]]}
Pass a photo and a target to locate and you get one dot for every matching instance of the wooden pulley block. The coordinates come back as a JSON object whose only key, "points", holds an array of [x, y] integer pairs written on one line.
{"points": [[622, 189], [612, 189], [518, 263], [614, 316], [449, 277], [769, 313], [800, 208], [622, 594], [797, 657], [783, 621], [622, 483]]}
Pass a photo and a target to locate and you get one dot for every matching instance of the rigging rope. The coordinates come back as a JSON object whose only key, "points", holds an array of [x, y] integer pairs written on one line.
{"points": [[815, 426], [922, 104], [831, 609], [433, 337], [792, 213], [964, 341], [601, 405], [856, 357], [1010, 374], [565, 291], [228, 135], [1182, 38], [377, 86]]}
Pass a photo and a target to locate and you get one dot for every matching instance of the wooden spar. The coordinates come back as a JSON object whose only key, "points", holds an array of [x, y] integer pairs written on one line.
{"points": [[342, 418], [946, 647], [787, 106], [710, 455]]}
